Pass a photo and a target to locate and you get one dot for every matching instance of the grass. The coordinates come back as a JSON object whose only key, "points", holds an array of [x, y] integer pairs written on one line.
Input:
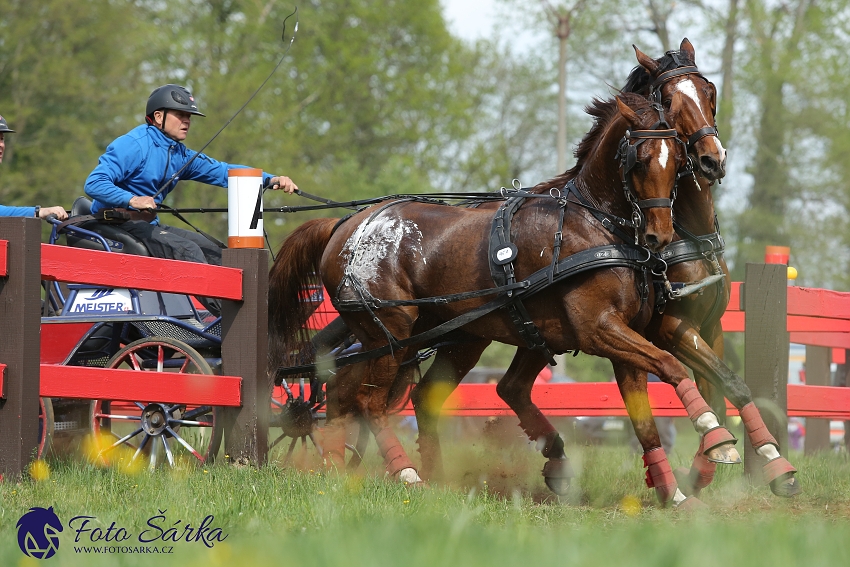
{"points": [[494, 510]]}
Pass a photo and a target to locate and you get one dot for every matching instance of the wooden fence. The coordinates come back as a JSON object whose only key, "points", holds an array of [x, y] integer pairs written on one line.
{"points": [[771, 312], [242, 283]]}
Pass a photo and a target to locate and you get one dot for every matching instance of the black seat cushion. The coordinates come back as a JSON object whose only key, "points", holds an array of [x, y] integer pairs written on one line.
{"points": [[113, 232]]}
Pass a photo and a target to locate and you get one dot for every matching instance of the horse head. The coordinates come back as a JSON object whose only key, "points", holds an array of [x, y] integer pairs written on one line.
{"points": [[676, 72], [651, 159]]}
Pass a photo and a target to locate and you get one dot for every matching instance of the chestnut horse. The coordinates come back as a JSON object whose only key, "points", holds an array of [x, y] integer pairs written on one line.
{"points": [[686, 328], [690, 327], [409, 250]]}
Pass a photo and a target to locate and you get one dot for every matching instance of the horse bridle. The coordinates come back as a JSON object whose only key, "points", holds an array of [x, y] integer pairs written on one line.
{"points": [[680, 70], [627, 153]]}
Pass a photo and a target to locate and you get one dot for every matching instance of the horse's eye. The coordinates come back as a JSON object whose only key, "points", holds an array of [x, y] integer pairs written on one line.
{"points": [[667, 102]]}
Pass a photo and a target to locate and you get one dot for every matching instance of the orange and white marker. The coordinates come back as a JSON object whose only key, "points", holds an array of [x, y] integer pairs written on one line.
{"points": [[245, 208]]}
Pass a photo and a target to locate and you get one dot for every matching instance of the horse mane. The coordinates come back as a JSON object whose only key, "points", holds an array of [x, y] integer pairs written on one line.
{"points": [[603, 112], [639, 80]]}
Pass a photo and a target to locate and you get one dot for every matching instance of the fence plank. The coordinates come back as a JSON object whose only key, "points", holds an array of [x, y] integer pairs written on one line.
{"points": [[75, 265], [815, 302], [4, 258], [20, 305], [766, 345], [90, 383], [244, 333]]}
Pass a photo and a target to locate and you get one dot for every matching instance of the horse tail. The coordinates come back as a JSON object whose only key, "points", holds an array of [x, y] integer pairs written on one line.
{"points": [[295, 269]]}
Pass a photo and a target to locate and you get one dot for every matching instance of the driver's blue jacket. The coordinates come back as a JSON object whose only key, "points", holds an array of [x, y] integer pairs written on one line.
{"points": [[16, 211], [141, 161]]}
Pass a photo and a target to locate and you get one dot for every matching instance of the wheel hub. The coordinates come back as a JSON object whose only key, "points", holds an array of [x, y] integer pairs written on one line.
{"points": [[296, 418], [154, 419]]}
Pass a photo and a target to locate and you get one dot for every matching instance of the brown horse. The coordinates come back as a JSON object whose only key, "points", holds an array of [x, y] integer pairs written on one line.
{"points": [[409, 250], [690, 327], [685, 329]]}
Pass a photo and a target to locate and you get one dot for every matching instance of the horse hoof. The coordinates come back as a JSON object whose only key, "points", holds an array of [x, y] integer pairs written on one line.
{"points": [[691, 504], [685, 482], [786, 486], [557, 474], [726, 454], [559, 486], [410, 477]]}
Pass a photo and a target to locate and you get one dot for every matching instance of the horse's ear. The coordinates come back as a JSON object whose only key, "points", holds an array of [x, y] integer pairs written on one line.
{"points": [[629, 114], [687, 48], [646, 61]]}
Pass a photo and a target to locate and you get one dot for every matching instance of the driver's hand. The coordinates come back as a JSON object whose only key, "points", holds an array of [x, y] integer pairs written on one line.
{"points": [[60, 213], [143, 203], [282, 182]]}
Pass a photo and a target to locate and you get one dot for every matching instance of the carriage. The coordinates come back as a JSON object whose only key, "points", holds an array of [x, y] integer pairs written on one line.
{"points": [[86, 325]]}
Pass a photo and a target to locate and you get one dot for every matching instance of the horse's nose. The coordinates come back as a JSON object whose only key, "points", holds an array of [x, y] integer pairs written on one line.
{"points": [[713, 168], [652, 242]]}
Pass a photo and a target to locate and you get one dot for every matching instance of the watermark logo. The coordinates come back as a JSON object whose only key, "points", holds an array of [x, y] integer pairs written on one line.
{"points": [[38, 533]]}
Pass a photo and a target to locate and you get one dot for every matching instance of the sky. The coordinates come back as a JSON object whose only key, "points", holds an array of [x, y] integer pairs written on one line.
{"points": [[470, 19]]}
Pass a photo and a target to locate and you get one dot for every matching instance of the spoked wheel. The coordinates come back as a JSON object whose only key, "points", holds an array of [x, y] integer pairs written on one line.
{"points": [[299, 412], [153, 432], [46, 424]]}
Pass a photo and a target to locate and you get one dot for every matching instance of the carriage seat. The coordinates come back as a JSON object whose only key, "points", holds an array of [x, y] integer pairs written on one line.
{"points": [[129, 244]]}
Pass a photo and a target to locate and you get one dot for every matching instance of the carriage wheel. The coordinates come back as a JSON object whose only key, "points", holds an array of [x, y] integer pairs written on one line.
{"points": [[150, 431], [299, 415], [45, 427]]}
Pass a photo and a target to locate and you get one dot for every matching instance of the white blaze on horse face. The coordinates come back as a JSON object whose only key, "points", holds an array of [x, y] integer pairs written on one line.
{"points": [[664, 154], [377, 239], [687, 88]]}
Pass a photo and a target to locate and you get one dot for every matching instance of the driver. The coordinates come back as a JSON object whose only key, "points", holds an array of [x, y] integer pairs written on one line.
{"points": [[37, 212], [124, 184]]}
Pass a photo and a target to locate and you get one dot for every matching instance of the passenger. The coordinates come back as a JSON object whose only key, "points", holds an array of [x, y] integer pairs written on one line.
{"points": [[38, 212], [137, 164]]}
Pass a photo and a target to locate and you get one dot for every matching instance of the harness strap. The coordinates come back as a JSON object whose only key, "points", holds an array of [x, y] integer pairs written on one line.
{"points": [[598, 257], [501, 259], [656, 203], [700, 134], [666, 76]]}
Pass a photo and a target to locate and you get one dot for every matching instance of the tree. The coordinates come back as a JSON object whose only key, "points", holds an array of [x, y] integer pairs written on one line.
{"points": [[65, 67]]}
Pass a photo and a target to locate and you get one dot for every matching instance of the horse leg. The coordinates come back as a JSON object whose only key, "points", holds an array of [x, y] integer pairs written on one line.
{"points": [[372, 401], [717, 443], [659, 475], [777, 472], [341, 398], [701, 474], [515, 389], [450, 365], [625, 347]]}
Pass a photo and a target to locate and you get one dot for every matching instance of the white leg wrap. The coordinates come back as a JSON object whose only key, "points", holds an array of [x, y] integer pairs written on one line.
{"points": [[409, 476], [706, 422], [768, 451], [678, 497]]}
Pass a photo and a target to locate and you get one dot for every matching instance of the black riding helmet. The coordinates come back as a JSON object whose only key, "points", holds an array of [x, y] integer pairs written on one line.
{"points": [[171, 97], [5, 127]]}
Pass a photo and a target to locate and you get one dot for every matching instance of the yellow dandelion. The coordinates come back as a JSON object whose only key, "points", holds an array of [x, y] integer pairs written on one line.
{"points": [[631, 505], [39, 470]]}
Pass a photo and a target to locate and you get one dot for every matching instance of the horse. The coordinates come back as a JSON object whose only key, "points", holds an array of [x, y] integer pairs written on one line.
{"points": [[690, 327], [686, 328], [408, 248]]}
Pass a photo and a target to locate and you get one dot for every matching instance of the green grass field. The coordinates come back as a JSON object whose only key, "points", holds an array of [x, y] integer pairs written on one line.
{"points": [[494, 511]]}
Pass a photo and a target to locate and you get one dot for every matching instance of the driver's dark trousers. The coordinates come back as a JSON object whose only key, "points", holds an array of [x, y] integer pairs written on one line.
{"points": [[173, 243]]}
